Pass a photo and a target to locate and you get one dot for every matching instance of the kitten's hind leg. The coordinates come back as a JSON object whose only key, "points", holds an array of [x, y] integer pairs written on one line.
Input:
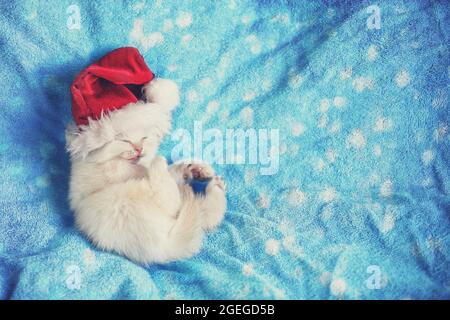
{"points": [[214, 204], [184, 172], [185, 237]]}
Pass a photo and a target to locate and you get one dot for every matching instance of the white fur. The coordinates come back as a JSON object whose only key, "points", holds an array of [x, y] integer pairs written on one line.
{"points": [[127, 199]]}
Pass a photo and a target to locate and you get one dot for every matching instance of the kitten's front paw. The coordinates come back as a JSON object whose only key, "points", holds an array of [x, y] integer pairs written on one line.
{"points": [[160, 162], [156, 164]]}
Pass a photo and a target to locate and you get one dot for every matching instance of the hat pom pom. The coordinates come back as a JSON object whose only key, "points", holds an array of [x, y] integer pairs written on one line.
{"points": [[163, 92]]}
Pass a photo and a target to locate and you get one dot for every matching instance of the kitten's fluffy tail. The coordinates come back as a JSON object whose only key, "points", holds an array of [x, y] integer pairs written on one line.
{"points": [[186, 236]]}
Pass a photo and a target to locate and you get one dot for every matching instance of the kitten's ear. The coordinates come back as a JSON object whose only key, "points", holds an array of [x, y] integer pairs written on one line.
{"points": [[80, 140], [75, 141]]}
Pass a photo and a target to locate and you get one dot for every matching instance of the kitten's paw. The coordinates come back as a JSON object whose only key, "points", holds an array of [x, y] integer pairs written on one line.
{"points": [[216, 181], [197, 171], [160, 161], [156, 164]]}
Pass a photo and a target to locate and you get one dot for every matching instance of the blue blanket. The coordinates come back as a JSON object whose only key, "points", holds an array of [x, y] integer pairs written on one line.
{"points": [[358, 205]]}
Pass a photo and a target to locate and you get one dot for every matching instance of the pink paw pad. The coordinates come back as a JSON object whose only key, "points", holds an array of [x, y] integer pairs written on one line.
{"points": [[197, 172]]}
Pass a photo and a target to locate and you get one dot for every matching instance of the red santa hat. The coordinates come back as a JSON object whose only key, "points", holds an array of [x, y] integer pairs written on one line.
{"points": [[109, 84]]}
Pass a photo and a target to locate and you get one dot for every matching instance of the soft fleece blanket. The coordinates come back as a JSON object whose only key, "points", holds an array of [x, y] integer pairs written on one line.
{"points": [[359, 207]]}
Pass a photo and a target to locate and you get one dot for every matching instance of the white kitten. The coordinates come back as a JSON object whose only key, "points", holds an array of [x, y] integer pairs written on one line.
{"points": [[126, 198]]}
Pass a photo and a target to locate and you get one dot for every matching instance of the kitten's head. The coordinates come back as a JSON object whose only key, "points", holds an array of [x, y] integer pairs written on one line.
{"points": [[129, 134]]}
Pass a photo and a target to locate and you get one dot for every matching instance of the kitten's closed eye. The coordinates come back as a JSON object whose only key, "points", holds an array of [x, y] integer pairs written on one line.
{"points": [[119, 136], [123, 138], [124, 147]]}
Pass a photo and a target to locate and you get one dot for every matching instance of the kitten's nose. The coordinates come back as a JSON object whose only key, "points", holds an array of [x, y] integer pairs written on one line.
{"points": [[137, 148]]}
